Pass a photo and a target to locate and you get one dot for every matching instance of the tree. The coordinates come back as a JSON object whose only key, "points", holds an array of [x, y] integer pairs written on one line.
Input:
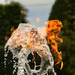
{"points": [[10, 15]]}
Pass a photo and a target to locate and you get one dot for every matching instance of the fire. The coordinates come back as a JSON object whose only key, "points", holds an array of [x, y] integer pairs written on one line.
{"points": [[53, 30], [33, 59], [6, 38], [29, 45], [12, 30], [23, 12], [37, 19], [61, 65]]}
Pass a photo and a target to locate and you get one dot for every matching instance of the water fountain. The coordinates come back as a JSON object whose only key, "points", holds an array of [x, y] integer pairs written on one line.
{"points": [[29, 51]]}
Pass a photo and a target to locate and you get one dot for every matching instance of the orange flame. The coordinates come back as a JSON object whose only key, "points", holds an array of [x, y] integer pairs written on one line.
{"points": [[33, 59], [12, 30], [53, 30], [37, 19], [61, 65], [23, 12], [29, 45], [6, 38]]}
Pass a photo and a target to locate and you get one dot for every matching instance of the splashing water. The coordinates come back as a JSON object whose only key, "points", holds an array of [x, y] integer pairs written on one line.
{"points": [[29, 52]]}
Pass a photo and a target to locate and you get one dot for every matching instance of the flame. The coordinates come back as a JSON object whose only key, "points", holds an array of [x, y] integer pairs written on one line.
{"points": [[44, 53], [6, 38], [23, 12], [61, 65], [29, 45], [53, 30], [12, 30], [33, 59], [37, 19]]}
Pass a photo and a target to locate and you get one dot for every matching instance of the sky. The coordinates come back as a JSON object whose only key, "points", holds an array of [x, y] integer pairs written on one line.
{"points": [[36, 8], [29, 2]]}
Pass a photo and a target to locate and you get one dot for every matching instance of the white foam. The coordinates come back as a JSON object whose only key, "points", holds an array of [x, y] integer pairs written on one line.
{"points": [[21, 37]]}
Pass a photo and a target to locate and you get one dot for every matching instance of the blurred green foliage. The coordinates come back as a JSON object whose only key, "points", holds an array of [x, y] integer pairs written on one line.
{"points": [[64, 10], [10, 15]]}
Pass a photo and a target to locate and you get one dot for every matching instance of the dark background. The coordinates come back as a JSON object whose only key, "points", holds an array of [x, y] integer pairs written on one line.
{"points": [[63, 10]]}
